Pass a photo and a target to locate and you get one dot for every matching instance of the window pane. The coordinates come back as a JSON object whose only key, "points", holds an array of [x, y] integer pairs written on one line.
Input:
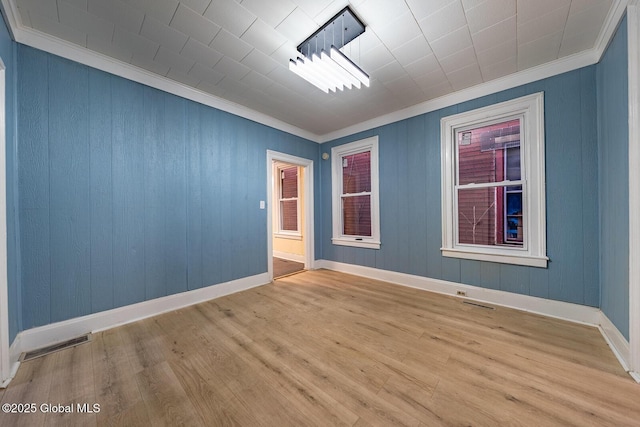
{"points": [[488, 216], [482, 152], [356, 216], [356, 173], [289, 182], [289, 215]]}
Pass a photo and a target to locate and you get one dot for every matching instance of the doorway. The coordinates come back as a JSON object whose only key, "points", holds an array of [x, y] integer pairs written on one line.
{"points": [[289, 214]]}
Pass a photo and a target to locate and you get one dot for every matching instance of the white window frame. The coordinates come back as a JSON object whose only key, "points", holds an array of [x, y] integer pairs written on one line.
{"points": [[373, 241], [534, 251], [286, 234]]}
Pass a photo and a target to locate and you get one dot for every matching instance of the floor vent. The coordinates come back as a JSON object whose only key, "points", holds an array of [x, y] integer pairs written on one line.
{"points": [[55, 347], [475, 304]]}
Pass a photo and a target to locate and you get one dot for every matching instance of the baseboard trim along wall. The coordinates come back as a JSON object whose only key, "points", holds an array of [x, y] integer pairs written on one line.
{"points": [[53, 333], [288, 256], [576, 313]]}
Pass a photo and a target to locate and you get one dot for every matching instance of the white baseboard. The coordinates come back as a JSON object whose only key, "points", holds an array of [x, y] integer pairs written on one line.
{"points": [[53, 333], [557, 309], [618, 343], [288, 256]]}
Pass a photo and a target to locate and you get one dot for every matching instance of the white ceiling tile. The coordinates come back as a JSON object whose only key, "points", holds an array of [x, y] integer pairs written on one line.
{"points": [[211, 89], [231, 15], [470, 4], [48, 25], [261, 36], [107, 48], [297, 26], [376, 58], [461, 59], [47, 9], [230, 45], [367, 40], [123, 15], [437, 91], [443, 22], [231, 68], [489, 13], [587, 21], [257, 81], [498, 53], [80, 4], [576, 43], [194, 25], [494, 35], [465, 77], [377, 13], [313, 7], [389, 72], [197, 5], [453, 42], [284, 53], [580, 5], [259, 62], [528, 10], [150, 65], [421, 8], [138, 45], [539, 51], [176, 62], [162, 10], [549, 23], [200, 52], [422, 66], [500, 69], [398, 31], [273, 12], [24, 17], [412, 50], [187, 79], [163, 34], [84, 22], [404, 87], [201, 73]]}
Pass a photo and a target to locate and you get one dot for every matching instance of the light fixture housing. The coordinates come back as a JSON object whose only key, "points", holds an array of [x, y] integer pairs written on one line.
{"points": [[322, 63]]}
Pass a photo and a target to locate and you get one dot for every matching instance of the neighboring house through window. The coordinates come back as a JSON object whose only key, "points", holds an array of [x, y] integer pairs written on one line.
{"points": [[493, 201], [355, 194], [288, 201]]}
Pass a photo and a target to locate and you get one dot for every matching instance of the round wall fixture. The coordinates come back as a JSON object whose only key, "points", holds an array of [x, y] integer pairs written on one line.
{"points": [[325, 156]]}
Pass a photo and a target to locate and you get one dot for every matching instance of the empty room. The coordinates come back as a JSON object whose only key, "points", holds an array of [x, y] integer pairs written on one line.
{"points": [[320, 212]]}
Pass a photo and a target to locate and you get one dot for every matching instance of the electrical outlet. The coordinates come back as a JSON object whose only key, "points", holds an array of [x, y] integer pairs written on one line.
{"points": [[461, 293]]}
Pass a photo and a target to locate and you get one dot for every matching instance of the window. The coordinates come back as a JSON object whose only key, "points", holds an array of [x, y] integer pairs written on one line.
{"points": [[355, 203], [288, 201], [493, 200]]}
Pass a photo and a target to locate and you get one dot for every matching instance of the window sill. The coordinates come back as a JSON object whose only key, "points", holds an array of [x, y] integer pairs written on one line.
{"points": [[520, 259], [369, 244], [288, 236]]}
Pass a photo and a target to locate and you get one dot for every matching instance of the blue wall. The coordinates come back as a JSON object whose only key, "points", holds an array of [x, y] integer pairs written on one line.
{"points": [[8, 55], [613, 149], [410, 216], [128, 193]]}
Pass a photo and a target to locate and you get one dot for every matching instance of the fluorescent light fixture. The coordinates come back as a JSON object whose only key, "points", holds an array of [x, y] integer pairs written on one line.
{"points": [[323, 64]]}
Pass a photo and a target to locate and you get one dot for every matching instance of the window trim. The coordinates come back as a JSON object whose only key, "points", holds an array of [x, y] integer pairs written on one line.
{"points": [[373, 241], [279, 232], [531, 109]]}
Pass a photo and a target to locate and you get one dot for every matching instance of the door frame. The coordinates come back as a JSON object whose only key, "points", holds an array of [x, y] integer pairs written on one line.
{"points": [[307, 171]]}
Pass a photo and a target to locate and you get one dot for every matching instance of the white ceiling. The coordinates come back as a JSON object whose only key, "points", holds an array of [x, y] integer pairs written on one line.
{"points": [[414, 50]]}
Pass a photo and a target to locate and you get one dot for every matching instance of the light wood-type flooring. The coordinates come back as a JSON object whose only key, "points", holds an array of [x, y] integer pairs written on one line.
{"points": [[323, 348]]}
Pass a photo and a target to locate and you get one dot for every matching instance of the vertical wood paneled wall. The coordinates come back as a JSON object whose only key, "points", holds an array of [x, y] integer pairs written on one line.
{"points": [[410, 204], [613, 173], [128, 193]]}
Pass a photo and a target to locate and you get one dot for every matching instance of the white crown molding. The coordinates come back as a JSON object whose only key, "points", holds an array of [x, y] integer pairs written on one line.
{"points": [[85, 56], [53, 333]]}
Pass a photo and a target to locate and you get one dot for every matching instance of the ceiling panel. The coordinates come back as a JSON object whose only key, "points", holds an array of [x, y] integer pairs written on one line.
{"points": [[413, 50]]}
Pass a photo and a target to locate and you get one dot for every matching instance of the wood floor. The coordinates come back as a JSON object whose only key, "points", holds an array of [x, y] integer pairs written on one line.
{"points": [[284, 267], [323, 348]]}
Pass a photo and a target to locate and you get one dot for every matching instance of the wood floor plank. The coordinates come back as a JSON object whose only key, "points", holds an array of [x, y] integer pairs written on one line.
{"points": [[325, 348]]}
